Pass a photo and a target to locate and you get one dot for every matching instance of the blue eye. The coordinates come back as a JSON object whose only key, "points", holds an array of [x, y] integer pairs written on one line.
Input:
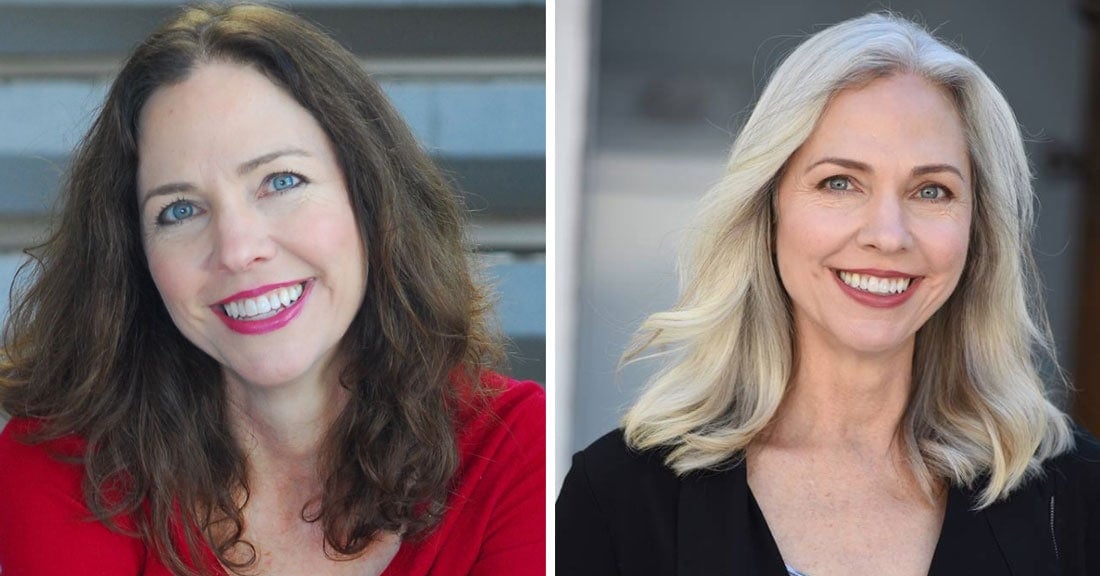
{"points": [[838, 183], [932, 192], [284, 181], [176, 212]]}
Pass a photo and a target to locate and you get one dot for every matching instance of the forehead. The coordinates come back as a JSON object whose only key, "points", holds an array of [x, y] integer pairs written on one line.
{"points": [[221, 113], [898, 118]]}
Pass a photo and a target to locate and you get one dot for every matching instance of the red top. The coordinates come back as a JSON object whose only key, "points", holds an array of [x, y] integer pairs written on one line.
{"points": [[494, 523]]}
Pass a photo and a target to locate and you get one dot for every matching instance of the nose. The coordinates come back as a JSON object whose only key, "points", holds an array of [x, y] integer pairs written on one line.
{"points": [[885, 225], [242, 239]]}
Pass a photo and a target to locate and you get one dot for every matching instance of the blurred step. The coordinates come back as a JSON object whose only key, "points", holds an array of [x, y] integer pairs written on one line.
{"points": [[450, 118], [378, 28]]}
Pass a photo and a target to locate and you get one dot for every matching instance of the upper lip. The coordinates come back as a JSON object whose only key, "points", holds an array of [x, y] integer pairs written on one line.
{"points": [[251, 292], [877, 273]]}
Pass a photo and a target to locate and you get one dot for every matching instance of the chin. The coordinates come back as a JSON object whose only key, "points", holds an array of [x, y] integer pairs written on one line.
{"points": [[872, 337], [267, 376], [881, 345]]}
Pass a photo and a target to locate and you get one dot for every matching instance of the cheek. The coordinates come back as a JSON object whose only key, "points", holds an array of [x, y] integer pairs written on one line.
{"points": [[332, 234], [343, 235], [350, 243], [946, 245], [171, 279], [804, 236]]}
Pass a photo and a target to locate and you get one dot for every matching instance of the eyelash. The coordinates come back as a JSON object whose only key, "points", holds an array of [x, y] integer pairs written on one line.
{"points": [[161, 222], [267, 182], [947, 193], [274, 175], [824, 184]]}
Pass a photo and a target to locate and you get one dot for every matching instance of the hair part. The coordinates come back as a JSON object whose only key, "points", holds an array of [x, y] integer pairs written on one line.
{"points": [[979, 413], [90, 348]]}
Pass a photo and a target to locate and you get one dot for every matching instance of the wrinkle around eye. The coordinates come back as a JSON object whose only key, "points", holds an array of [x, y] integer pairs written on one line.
{"points": [[946, 193]]}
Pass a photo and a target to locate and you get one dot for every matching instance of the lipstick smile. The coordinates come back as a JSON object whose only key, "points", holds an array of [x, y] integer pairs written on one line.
{"points": [[264, 309], [877, 288]]}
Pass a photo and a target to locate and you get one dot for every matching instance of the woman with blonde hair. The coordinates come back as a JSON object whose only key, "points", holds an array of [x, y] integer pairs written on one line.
{"points": [[851, 383]]}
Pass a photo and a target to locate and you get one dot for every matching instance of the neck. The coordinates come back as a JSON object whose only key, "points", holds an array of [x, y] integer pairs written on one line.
{"points": [[280, 428], [839, 399]]}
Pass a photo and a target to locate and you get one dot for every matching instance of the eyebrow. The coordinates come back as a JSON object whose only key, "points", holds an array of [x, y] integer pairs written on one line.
{"points": [[864, 167], [242, 169]]}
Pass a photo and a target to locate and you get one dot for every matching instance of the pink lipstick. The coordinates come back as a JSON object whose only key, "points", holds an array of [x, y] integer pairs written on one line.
{"points": [[275, 321]]}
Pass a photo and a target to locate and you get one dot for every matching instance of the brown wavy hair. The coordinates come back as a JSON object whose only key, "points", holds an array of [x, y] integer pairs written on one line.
{"points": [[90, 348]]}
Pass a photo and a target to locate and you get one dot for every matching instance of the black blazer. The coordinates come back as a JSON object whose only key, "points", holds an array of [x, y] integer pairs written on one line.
{"points": [[624, 512]]}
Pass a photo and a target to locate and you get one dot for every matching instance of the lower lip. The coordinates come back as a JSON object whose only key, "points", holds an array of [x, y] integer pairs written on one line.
{"points": [[878, 300], [266, 325]]}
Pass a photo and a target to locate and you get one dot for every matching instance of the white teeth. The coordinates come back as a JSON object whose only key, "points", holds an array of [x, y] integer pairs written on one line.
{"points": [[874, 284], [264, 304]]}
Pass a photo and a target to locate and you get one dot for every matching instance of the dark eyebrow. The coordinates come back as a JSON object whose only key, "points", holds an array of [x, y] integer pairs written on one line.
{"points": [[244, 168], [846, 163], [166, 190], [934, 168], [251, 165], [863, 167]]}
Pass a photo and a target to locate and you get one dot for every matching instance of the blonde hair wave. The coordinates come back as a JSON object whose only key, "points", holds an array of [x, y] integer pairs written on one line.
{"points": [[979, 411]]}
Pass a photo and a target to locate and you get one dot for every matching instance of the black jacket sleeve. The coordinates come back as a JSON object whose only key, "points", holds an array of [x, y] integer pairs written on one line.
{"points": [[582, 537], [617, 512], [1075, 506]]}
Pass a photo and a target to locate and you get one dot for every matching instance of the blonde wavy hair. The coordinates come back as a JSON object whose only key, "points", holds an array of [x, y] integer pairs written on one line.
{"points": [[979, 412]]}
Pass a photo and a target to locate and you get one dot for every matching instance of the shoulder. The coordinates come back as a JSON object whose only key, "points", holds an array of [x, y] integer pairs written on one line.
{"points": [[1086, 450], [617, 511], [1072, 478], [610, 464], [622, 482], [1071, 503], [47, 528], [1077, 471], [38, 470], [513, 417], [502, 437], [514, 399], [40, 464], [495, 517]]}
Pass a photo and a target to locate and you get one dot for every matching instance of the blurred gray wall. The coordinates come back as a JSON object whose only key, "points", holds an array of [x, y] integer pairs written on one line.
{"points": [[670, 84], [467, 75]]}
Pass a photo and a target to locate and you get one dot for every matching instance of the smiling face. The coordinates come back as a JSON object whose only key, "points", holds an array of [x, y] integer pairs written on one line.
{"points": [[247, 224], [874, 215]]}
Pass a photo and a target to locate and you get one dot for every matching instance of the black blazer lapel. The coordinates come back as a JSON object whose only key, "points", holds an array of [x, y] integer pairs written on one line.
{"points": [[720, 531], [1022, 527], [1005, 538]]}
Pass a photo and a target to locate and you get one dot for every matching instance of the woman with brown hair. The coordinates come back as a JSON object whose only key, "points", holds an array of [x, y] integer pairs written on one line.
{"points": [[254, 343]]}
